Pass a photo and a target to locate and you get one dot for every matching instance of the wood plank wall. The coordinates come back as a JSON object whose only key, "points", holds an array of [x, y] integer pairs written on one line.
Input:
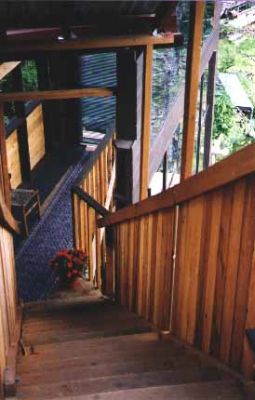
{"points": [[8, 301], [36, 136], [211, 294], [215, 272], [36, 143], [98, 182], [144, 265], [13, 159]]}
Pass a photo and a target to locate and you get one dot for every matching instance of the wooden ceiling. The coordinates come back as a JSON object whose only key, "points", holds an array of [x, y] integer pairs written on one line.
{"points": [[78, 18]]}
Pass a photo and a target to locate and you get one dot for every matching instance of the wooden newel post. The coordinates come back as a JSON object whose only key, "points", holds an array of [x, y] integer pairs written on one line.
{"points": [[109, 281], [192, 85]]}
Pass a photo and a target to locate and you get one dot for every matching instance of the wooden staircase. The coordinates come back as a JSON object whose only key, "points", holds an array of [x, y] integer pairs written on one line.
{"points": [[101, 351]]}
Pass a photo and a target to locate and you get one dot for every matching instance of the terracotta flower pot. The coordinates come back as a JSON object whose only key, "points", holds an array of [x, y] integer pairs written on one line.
{"points": [[79, 285]]}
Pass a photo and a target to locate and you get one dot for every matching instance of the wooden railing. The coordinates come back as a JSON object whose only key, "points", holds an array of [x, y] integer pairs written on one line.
{"points": [[185, 259], [92, 196]]}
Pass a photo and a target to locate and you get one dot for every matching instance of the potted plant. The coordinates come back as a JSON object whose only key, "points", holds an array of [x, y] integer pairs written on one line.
{"points": [[70, 267]]}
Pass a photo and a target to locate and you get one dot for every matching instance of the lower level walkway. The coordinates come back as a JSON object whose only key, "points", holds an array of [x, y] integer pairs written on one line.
{"points": [[99, 351], [52, 233]]}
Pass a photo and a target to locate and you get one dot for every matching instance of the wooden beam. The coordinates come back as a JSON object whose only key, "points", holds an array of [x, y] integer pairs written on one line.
{"points": [[191, 87], [146, 123], [90, 43], [56, 94], [4, 175], [234, 167], [7, 67], [210, 108]]}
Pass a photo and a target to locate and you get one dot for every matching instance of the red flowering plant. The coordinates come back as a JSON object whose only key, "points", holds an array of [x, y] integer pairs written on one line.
{"points": [[69, 265]]}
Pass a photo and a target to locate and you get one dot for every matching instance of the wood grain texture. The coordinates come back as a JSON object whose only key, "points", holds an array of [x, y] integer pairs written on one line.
{"points": [[13, 159], [36, 136], [92, 196], [7, 67], [232, 168], [192, 84], [58, 94], [8, 300], [144, 277], [146, 123]]}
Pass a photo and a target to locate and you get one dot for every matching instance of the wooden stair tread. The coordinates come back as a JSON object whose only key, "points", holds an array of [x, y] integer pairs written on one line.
{"points": [[82, 333], [216, 390], [77, 386], [97, 370], [101, 351], [45, 361]]}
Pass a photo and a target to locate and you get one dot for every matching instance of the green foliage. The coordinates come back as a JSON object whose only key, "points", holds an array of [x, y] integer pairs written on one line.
{"points": [[232, 130], [227, 55], [224, 115], [29, 75]]}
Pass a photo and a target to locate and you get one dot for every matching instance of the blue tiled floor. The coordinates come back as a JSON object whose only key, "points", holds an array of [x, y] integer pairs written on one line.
{"points": [[52, 233]]}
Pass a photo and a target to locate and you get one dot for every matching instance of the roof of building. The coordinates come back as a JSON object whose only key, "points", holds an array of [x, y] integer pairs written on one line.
{"points": [[95, 16], [235, 91]]}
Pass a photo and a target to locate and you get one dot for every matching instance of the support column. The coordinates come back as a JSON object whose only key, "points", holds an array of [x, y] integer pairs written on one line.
{"points": [[191, 86], [44, 84], [146, 122], [128, 125], [65, 73], [210, 99]]}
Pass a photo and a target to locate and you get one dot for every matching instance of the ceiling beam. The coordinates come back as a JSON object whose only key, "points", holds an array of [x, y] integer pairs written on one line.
{"points": [[61, 94], [89, 43]]}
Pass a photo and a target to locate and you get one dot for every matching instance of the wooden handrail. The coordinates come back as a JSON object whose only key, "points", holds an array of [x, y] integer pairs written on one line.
{"points": [[6, 217], [236, 166], [58, 94], [95, 155], [90, 201]]}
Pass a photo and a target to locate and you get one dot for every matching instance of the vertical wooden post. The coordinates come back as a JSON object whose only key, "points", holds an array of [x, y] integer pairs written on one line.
{"points": [[4, 176], [164, 171], [22, 129], [192, 83], [210, 109], [199, 122], [146, 122], [128, 130]]}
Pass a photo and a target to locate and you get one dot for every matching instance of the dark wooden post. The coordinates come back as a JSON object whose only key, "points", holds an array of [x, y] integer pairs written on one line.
{"points": [[210, 109], [191, 86], [44, 84], [164, 184], [4, 176], [128, 125], [199, 122], [64, 74], [22, 129]]}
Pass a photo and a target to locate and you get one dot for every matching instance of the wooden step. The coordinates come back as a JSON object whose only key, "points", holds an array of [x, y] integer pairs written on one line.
{"points": [[220, 390], [82, 333], [193, 391], [53, 361], [77, 385]]}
